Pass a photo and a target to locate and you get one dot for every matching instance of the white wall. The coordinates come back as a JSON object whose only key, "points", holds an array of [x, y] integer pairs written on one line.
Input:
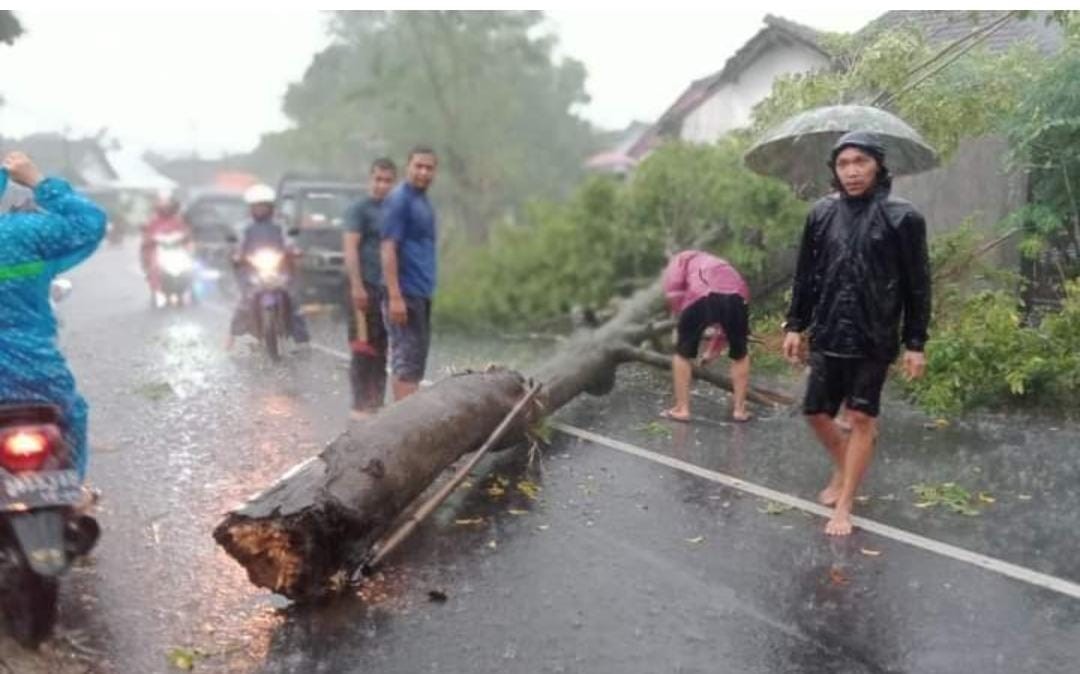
{"points": [[729, 107]]}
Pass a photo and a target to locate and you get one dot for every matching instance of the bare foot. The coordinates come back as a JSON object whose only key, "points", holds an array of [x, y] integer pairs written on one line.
{"points": [[676, 414], [831, 493], [742, 415], [840, 523], [360, 415]]}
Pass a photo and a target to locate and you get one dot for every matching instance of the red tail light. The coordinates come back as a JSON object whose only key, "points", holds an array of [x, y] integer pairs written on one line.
{"points": [[26, 448]]}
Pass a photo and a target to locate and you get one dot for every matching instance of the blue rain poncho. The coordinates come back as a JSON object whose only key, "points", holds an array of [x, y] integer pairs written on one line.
{"points": [[34, 248]]}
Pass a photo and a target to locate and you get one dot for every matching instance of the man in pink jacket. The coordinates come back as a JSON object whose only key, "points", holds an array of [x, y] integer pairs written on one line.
{"points": [[705, 291]]}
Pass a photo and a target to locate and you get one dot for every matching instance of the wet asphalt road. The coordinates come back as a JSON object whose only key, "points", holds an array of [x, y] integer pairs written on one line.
{"points": [[584, 560]]}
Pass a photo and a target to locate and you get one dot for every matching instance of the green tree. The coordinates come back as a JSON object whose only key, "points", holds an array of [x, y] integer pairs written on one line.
{"points": [[483, 88], [1044, 132], [946, 93], [610, 236]]}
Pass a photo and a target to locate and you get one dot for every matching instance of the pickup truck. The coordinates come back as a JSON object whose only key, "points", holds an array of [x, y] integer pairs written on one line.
{"points": [[314, 208]]}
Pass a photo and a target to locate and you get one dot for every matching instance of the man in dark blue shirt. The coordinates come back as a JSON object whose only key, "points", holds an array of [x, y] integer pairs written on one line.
{"points": [[409, 271], [367, 368]]}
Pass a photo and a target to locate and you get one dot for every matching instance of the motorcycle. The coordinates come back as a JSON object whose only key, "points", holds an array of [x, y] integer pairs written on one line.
{"points": [[176, 269], [269, 302], [44, 526]]}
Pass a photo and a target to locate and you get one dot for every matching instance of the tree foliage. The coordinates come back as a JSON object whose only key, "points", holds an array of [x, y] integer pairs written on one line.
{"points": [[483, 88], [1044, 132], [10, 27], [609, 236], [895, 68], [986, 356]]}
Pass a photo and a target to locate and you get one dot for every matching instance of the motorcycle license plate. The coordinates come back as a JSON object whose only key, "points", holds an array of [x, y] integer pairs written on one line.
{"points": [[39, 489]]}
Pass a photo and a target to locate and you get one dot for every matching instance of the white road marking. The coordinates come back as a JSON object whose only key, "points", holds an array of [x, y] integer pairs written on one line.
{"points": [[1004, 568]]}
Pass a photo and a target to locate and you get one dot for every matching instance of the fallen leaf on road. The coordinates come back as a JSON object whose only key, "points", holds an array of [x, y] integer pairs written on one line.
{"points": [[774, 508], [986, 498], [544, 527], [1024, 497], [695, 539], [492, 544], [517, 511], [156, 391], [870, 553], [184, 658], [529, 489], [836, 575], [467, 521]]}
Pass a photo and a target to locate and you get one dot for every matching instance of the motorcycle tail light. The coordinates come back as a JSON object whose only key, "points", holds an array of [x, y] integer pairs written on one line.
{"points": [[26, 448]]}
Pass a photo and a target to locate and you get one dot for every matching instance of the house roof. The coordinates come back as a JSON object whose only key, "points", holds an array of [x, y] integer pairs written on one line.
{"points": [[945, 26], [615, 157], [134, 172], [938, 27], [62, 156], [776, 30]]}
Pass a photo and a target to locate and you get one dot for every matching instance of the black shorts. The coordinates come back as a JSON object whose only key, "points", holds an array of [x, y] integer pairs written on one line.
{"points": [[856, 382], [728, 311]]}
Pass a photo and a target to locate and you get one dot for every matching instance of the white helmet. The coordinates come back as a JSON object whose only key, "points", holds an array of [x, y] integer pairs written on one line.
{"points": [[259, 194]]}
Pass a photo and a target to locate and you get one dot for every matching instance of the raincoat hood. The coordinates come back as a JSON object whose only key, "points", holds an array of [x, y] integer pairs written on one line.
{"points": [[871, 145], [863, 140]]}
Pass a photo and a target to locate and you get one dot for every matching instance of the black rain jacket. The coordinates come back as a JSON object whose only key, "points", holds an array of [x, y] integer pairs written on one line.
{"points": [[862, 266]]}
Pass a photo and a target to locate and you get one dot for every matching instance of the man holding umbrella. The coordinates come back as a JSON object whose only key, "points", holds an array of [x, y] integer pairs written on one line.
{"points": [[863, 269]]}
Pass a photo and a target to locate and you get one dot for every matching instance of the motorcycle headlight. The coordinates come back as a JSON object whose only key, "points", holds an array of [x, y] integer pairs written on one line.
{"points": [[175, 262], [266, 262]]}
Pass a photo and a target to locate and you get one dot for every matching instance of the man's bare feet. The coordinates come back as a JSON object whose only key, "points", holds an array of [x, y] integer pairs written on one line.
{"points": [[676, 414], [831, 493], [741, 415], [840, 522], [360, 415]]}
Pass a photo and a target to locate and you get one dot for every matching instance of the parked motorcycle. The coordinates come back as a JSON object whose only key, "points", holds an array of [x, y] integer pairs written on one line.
{"points": [[43, 523]]}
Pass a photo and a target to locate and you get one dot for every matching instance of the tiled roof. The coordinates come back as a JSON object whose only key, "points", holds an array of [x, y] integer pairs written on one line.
{"points": [[941, 26]]}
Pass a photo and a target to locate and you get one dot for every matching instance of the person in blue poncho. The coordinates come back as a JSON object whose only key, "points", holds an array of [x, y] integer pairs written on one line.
{"points": [[35, 247]]}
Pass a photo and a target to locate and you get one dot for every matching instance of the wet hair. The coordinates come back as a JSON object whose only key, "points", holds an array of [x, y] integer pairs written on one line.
{"points": [[421, 149], [383, 164]]}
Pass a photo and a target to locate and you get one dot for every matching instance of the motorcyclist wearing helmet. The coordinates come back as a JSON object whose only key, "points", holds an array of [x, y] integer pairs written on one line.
{"points": [[262, 231], [165, 220], [34, 247]]}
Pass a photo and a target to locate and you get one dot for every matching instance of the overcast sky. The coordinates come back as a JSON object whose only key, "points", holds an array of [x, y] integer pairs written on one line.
{"points": [[214, 82]]}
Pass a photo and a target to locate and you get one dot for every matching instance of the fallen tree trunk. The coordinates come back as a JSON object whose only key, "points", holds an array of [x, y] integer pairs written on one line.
{"points": [[318, 521]]}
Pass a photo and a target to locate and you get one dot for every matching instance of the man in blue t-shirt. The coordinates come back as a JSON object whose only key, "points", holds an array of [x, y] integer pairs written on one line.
{"points": [[409, 269], [362, 240]]}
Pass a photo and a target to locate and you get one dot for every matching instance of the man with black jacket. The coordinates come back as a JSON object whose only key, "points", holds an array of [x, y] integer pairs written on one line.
{"points": [[863, 265]]}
